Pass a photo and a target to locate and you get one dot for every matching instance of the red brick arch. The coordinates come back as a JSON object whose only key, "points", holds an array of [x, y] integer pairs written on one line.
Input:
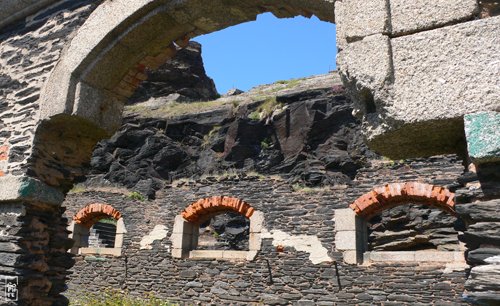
{"points": [[391, 195], [92, 213], [203, 208]]}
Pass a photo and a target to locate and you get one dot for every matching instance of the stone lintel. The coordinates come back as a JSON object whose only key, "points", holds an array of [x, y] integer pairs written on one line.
{"points": [[101, 251], [414, 256], [223, 254]]}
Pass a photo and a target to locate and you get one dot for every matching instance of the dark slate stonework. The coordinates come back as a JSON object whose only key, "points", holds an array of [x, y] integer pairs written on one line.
{"points": [[412, 227], [320, 145], [183, 76], [295, 279], [482, 238], [34, 241]]}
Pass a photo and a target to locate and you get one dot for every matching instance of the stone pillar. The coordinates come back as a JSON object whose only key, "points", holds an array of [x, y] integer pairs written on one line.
{"points": [[256, 225], [184, 237], [351, 235], [33, 242]]}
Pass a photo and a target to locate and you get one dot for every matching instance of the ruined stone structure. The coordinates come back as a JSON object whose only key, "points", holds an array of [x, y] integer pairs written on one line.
{"points": [[300, 237], [423, 73]]}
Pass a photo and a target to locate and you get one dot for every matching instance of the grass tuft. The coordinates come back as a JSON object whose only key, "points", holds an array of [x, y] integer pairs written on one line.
{"points": [[77, 189], [134, 195], [116, 298], [305, 189], [174, 109], [208, 138], [265, 109]]}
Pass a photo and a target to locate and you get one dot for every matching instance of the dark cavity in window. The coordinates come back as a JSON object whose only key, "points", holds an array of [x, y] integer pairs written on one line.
{"points": [[102, 234], [226, 231], [412, 228]]}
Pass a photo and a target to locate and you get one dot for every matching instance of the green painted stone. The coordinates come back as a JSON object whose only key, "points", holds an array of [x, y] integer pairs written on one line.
{"points": [[32, 189], [19, 188], [482, 131]]}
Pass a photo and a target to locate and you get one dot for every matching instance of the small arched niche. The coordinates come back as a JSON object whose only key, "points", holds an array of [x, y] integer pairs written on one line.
{"points": [[97, 229], [186, 234], [351, 224]]}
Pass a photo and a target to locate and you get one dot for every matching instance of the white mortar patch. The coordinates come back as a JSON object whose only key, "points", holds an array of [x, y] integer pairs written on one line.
{"points": [[455, 266], [493, 260], [303, 243], [159, 232]]}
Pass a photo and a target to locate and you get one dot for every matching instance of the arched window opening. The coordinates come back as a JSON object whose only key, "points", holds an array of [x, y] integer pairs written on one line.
{"points": [[413, 227], [97, 229], [218, 228], [103, 234], [399, 223]]}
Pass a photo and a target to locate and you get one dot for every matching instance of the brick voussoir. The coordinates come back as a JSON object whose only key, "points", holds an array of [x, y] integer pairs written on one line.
{"points": [[94, 212], [203, 207], [391, 195]]}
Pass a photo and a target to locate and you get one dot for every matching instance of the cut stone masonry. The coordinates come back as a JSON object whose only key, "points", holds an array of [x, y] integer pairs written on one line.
{"points": [[412, 97]]}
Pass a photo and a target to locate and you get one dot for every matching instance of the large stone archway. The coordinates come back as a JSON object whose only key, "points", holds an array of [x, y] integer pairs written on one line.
{"points": [[107, 60], [412, 97], [102, 62], [390, 83], [109, 54]]}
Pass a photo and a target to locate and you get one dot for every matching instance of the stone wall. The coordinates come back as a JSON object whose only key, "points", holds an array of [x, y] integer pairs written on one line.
{"points": [[30, 50], [304, 271]]}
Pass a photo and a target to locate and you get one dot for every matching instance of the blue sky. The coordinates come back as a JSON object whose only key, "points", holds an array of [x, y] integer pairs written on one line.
{"points": [[268, 50]]}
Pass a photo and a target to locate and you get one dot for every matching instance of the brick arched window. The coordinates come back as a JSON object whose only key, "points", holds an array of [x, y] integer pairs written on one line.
{"points": [[351, 235], [391, 195], [186, 228], [97, 228]]}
